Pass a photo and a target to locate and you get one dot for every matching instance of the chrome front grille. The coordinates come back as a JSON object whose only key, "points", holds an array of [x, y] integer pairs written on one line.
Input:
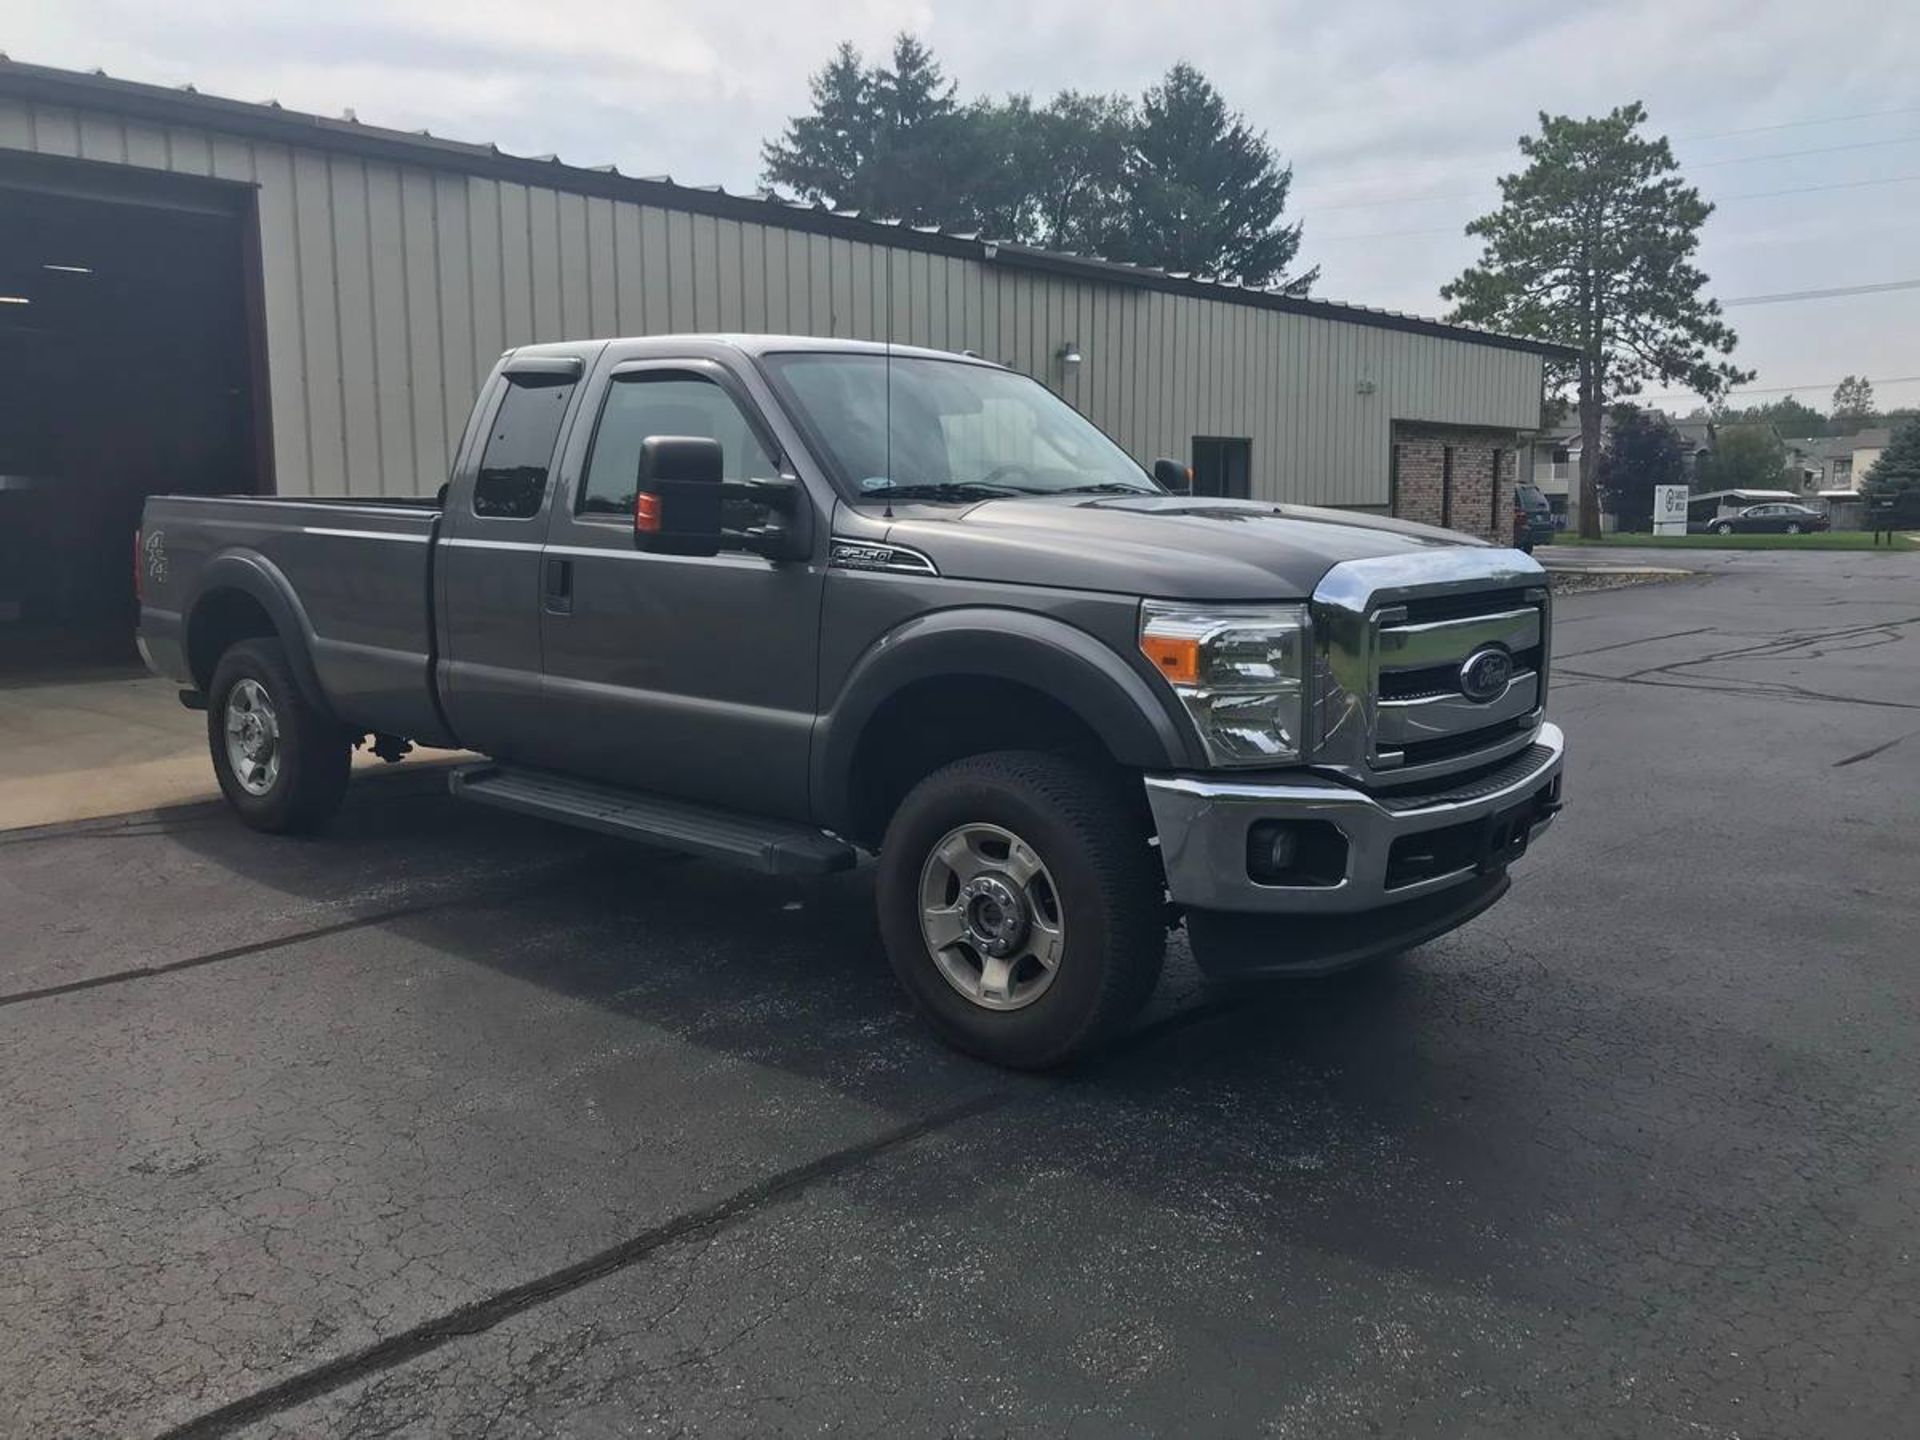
{"points": [[1391, 637]]}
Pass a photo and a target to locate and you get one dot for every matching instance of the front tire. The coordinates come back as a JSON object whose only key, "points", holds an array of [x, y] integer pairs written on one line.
{"points": [[1022, 907], [281, 764], [1793, 527]]}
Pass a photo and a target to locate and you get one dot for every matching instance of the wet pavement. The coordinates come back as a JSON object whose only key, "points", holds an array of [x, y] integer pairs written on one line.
{"points": [[451, 1122]]}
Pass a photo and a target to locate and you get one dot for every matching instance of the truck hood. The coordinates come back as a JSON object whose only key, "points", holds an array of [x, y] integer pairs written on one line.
{"points": [[1164, 546]]}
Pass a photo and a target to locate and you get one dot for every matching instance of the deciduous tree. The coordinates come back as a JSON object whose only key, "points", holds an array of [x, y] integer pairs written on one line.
{"points": [[1641, 451], [1852, 403], [1746, 457]]}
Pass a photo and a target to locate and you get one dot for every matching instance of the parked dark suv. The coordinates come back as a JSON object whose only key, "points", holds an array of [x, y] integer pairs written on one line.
{"points": [[1532, 518]]}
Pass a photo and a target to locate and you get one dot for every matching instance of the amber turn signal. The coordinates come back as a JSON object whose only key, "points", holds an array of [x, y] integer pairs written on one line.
{"points": [[1175, 656], [646, 513]]}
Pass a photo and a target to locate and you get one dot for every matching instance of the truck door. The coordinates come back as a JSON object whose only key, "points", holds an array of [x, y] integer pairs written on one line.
{"points": [[488, 566], [680, 675]]}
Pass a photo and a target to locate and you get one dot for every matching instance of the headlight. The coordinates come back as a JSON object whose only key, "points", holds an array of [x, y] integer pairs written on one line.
{"points": [[1239, 672]]}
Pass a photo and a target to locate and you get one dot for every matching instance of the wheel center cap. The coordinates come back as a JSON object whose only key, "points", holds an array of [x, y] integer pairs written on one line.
{"points": [[996, 915]]}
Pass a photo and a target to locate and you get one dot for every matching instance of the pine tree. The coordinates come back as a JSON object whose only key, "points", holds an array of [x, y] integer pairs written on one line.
{"points": [[918, 138], [1592, 247], [1205, 191], [826, 156], [1181, 182], [1895, 476]]}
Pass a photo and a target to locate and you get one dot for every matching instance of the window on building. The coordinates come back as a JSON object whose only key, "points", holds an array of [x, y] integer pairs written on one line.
{"points": [[512, 482], [1222, 467]]}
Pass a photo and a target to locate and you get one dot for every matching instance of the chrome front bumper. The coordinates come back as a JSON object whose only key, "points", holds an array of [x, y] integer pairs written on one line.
{"points": [[1203, 820]]}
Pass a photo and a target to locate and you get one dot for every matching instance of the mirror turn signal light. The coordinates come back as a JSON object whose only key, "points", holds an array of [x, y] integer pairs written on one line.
{"points": [[646, 513]]}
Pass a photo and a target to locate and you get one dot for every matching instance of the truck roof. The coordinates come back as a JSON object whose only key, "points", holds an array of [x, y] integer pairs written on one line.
{"points": [[762, 345]]}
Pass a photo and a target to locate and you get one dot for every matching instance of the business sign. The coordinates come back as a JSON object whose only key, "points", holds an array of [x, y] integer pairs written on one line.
{"points": [[1669, 509]]}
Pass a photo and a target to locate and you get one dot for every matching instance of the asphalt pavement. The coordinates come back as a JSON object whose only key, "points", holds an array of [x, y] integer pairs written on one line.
{"points": [[451, 1122]]}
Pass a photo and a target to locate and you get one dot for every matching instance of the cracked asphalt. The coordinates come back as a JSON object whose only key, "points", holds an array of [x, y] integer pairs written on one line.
{"points": [[456, 1123]]}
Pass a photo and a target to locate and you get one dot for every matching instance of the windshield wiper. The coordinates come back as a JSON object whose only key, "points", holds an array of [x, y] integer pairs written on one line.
{"points": [[945, 490], [1105, 487]]}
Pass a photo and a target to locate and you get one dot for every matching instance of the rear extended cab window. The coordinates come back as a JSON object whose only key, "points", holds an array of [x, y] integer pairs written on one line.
{"points": [[512, 483]]}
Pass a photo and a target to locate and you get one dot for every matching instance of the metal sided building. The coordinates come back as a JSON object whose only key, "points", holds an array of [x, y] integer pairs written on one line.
{"points": [[203, 294]]}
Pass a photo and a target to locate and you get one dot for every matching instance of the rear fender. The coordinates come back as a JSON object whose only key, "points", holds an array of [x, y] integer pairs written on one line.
{"points": [[255, 575]]}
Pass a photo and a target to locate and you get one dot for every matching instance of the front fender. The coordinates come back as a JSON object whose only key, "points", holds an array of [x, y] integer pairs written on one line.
{"points": [[1114, 701], [258, 577]]}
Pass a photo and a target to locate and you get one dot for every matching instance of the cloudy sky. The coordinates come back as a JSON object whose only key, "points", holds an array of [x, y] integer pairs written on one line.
{"points": [[1801, 121]]}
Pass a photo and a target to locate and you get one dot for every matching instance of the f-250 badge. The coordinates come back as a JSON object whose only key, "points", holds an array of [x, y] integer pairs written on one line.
{"points": [[155, 549]]}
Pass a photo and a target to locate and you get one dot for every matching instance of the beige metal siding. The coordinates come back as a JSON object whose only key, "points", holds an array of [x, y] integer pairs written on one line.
{"points": [[389, 291]]}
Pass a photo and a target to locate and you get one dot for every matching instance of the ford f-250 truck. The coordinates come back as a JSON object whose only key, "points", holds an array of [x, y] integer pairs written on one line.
{"points": [[779, 601]]}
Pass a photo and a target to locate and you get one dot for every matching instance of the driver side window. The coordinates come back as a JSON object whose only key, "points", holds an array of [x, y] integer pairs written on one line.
{"points": [[664, 402]]}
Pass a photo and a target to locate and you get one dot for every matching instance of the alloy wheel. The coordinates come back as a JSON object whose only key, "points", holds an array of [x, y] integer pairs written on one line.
{"points": [[991, 917], [253, 736]]}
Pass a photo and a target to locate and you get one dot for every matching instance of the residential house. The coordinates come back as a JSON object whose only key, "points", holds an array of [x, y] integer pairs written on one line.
{"points": [[1831, 467], [1555, 463]]}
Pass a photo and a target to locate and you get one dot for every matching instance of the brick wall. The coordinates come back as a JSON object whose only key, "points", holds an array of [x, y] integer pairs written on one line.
{"points": [[1446, 476]]}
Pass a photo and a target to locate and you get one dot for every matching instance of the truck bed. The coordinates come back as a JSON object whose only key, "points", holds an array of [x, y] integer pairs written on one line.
{"points": [[355, 576]]}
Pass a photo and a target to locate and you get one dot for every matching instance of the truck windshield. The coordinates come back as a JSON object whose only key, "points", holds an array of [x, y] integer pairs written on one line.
{"points": [[958, 431]]}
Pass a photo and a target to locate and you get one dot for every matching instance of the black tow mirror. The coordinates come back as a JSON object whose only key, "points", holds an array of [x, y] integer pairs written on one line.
{"points": [[676, 505], [1172, 475]]}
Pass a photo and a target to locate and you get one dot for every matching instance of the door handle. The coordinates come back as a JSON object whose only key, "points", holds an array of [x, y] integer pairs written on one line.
{"points": [[557, 593]]}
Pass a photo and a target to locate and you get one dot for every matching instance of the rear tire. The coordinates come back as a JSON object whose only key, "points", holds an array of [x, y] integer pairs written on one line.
{"points": [[281, 764], [1050, 847], [1793, 527], [1723, 529]]}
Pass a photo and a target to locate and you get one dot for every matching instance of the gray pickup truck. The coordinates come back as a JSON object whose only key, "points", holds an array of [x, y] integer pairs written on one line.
{"points": [[781, 601]]}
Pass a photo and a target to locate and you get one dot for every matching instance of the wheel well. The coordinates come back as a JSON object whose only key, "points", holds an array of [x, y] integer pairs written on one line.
{"points": [[221, 619], [934, 722]]}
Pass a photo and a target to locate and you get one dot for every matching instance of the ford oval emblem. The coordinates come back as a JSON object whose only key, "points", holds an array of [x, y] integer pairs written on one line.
{"points": [[1484, 674]]}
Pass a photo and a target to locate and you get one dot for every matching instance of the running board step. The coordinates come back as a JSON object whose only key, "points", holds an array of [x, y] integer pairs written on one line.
{"points": [[770, 846]]}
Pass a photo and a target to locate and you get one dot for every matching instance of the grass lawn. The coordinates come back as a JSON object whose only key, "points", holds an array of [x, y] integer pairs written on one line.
{"points": [[1824, 540]]}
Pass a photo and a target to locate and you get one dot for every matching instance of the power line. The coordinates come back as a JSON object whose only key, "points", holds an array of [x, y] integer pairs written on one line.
{"points": [[1786, 295], [1700, 165], [1744, 195], [1796, 154], [1814, 386], [1812, 189], [1799, 124]]}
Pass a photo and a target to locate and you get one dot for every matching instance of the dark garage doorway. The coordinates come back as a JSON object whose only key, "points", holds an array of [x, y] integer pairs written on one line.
{"points": [[1223, 466], [128, 367]]}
